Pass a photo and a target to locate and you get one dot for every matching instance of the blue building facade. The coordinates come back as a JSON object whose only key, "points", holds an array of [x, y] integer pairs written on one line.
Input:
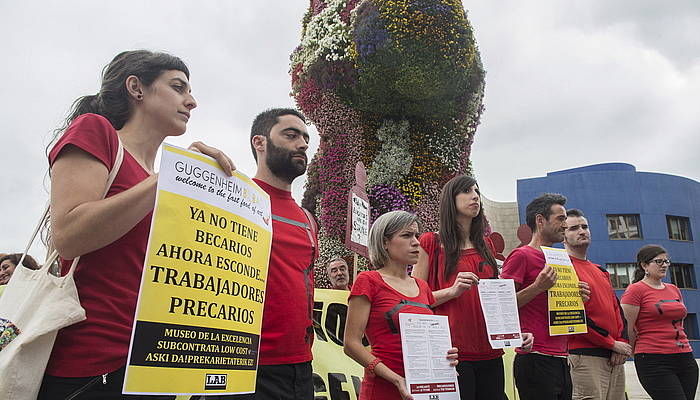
{"points": [[626, 210]]}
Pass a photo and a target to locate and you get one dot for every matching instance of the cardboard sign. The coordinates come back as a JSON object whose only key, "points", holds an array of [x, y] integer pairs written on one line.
{"points": [[567, 315], [358, 215], [199, 312]]}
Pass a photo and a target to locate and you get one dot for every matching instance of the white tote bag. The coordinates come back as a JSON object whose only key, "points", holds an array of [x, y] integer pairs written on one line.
{"points": [[38, 304]]}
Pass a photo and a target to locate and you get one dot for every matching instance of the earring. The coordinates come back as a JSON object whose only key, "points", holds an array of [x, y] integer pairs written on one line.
{"points": [[139, 97], [646, 273]]}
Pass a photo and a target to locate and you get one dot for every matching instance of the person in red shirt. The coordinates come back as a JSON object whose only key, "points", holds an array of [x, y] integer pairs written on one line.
{"points": [[453, 261], [542, 374], [596, 358], [655, 312], [376, 300], [279, 140], [144, 98]]}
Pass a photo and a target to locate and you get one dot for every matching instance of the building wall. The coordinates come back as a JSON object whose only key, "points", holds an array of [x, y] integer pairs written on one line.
{"points": [[616, 188], [504, 219]]}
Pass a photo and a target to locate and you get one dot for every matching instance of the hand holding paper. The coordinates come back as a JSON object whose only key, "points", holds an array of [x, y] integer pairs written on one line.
{"points": [[528, 341], [403, 389], [452, 355], [463, 282]]}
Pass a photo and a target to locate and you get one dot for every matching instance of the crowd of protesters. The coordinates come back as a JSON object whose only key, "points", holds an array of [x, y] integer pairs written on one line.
{"points": [[145, 97]]}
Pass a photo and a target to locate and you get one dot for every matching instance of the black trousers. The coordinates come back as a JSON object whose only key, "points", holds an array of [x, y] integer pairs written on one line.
{"points": [[481, 380], [541, 377], [274, 382], [89, 388], [280, 382], [667, 376]]}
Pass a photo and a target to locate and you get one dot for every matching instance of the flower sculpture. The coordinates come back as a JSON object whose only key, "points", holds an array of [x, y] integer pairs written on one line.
{"points": [[396, 84]]}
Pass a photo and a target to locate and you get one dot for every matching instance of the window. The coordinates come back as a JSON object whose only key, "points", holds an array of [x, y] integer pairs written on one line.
{"points": [[678, 228], [690, 326], [621, 274], [682, 275], [624, 226]]}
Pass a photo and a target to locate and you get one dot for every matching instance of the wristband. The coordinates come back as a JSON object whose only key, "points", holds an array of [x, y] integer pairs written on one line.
{"points": [[370, 367]]}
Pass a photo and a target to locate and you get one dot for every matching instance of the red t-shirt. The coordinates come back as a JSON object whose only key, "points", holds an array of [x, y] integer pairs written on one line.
{"points": [[107, 279], [660, 321], [287, 326], [523, 265], [602, 309], [467, 324], [385, 337]]}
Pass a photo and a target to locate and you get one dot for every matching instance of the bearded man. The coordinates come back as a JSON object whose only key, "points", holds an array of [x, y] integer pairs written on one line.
{"points": [[279, 140]]}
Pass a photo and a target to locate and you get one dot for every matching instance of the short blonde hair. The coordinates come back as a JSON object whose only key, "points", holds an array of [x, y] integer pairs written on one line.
{"points": [[382, 230]]}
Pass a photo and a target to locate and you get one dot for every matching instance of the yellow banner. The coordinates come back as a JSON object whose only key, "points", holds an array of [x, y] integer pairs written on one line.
{"points": [[336, 376], [567, 315], [199, 313]]}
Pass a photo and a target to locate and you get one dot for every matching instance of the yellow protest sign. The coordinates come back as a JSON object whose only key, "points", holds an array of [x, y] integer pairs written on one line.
{"points": [[199, 313], [567, 316]]}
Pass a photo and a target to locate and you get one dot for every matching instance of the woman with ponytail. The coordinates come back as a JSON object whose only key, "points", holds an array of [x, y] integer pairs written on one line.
{"points": [[655, 312], [453, 260], [144, 98]]}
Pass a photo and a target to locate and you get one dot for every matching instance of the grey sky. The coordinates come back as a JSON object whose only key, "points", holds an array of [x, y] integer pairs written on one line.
{"points": [[568, 83]]}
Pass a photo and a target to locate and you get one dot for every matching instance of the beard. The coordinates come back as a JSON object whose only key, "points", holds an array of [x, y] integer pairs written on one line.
{"points": [[576, 243], [340, 281], [554, 236], [280, 162]]}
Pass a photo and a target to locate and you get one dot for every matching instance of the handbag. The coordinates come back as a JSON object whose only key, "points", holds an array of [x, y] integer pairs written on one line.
{"points": [[35, 305]]}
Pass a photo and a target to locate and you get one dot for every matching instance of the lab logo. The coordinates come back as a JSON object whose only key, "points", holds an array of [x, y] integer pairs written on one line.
{"points": [[215, 382], [434, 397], [571, 329]]}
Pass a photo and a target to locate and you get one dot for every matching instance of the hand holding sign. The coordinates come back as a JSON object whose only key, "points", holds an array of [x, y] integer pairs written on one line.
{"points": [[567, 315], [546, 278], [224, 161], [585, 290]]}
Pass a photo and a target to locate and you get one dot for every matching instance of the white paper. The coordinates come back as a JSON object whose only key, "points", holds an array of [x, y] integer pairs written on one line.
{"points": [[554, 256], [425, 340], [500, 308], [360, 220]]}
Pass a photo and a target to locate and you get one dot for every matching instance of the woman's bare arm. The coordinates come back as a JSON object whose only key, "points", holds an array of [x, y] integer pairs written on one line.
{"points": [[81, 221], [355, 325], [631, 313]]}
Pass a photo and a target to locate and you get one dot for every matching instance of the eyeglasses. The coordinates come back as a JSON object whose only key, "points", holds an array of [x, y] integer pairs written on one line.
{"points": [[661, 261]]}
